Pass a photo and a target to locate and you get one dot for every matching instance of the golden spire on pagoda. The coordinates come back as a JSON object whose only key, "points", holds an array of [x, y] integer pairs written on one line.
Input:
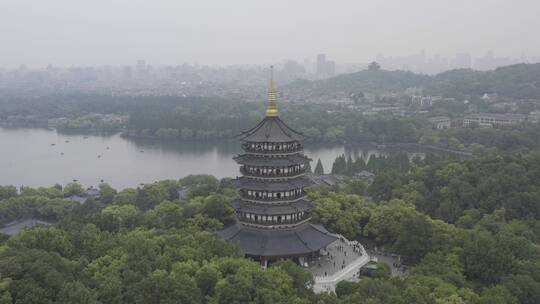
{"points": [[272, 110]]}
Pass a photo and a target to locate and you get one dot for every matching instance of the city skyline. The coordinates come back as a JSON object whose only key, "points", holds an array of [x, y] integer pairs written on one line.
{"points": [[322, 66]]}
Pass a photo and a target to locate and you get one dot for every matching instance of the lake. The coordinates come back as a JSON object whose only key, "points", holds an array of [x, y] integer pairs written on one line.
{"points": [[38, 157]]}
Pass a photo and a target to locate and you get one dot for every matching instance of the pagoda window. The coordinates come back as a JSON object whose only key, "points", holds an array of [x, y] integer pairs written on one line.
{"points": [[279, 195], [279, 219], [256, 218], [278, 171]]}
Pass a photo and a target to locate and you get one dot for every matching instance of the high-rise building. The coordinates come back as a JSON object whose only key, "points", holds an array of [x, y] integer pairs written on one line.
{"points": [[321, 63], [274, 212], [325, 68], [462, 61]]}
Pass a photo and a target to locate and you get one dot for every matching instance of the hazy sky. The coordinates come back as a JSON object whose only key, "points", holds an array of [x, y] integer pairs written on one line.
{"points": [[99, 32]]}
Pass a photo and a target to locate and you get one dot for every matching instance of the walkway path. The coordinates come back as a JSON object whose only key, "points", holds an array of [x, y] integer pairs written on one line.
{"points": [[340, 261]]}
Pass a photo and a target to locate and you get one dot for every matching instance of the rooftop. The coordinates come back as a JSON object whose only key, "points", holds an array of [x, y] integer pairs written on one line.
{"points": [[300, 241], [271, 129], [16, 226], [495, 116], [326, 179], [439, 118], [365, 174], [78, 199], [93, 192]]}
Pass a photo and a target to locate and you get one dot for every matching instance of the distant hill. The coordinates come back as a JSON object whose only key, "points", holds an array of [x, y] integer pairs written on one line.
{"points": [[364, 81], [518, 81]]}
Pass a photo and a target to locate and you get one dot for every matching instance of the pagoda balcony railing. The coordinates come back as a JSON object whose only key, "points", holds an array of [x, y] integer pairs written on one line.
{"points": [[264, 199], [268, 225], [272, 175], [273, 202], [260, 150]]}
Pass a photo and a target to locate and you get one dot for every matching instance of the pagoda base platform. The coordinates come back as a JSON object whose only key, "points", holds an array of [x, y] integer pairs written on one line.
{"points": [[273, 244]]}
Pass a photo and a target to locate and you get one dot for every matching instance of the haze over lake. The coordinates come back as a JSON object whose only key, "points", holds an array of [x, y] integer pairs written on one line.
{"points": [[38, 157]]}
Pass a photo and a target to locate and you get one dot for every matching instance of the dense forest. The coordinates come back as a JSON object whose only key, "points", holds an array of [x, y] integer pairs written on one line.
{"points": [[196, 118], [469, 230], [192, 118]]}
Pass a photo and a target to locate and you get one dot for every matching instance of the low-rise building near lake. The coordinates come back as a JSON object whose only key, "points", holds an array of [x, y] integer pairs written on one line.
{"points": [[492, 120], [440, 122]]}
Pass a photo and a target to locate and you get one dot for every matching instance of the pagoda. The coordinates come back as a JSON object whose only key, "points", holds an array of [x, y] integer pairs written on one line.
{"points": [[273, 212]]}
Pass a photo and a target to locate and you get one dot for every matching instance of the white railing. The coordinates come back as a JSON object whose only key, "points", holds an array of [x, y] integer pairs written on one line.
{"points": [[329, 282]]}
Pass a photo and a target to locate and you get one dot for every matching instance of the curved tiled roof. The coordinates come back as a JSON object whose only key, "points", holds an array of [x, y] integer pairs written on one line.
{"points": [[271, 129], [299, 241]]}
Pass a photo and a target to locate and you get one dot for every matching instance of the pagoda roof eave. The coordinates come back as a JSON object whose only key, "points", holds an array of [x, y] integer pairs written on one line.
{"points": [[301, 240], [271, 129]]}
